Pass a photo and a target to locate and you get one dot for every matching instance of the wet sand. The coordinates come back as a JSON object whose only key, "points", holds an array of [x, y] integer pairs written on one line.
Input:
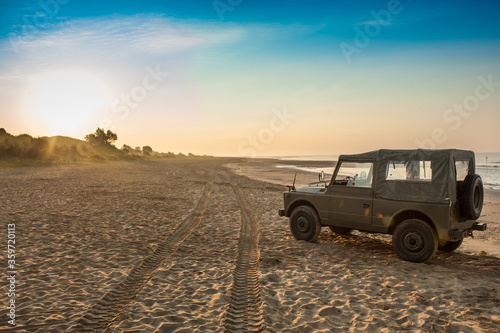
{"points": [[187, 245]]}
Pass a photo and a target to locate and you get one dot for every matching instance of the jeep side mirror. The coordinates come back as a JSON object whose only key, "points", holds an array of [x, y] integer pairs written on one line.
{"points": [[321, 176]]}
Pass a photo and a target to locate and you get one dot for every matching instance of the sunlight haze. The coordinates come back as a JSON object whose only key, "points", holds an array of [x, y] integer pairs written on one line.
{"points": [[255, 78]]}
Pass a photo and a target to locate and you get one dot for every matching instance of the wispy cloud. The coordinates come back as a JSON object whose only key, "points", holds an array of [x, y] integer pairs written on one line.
{"points": [[146, 34], [131, 34], [125, 43], [134, 39], [374, 22], [412, 13]]}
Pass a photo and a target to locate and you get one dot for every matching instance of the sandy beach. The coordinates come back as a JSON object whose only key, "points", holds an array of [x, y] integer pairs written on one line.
{"points": [[196, 245]]}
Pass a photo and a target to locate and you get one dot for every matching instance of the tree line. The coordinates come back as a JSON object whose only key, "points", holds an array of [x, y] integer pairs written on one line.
{"points": [[97, 146]]}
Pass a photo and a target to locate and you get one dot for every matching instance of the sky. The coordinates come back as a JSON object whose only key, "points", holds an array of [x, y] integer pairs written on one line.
{"points": [[255, 78]]}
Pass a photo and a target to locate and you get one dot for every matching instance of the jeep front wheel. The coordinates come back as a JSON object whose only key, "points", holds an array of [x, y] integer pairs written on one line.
{"points": [[414, 240], [305, 224]]}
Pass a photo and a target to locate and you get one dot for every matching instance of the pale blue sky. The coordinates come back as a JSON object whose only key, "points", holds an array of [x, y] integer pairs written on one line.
{"points": [[254, 77]]}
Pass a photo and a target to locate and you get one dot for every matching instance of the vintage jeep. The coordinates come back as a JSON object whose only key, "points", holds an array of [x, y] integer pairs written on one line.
{"points": [[426, 199]]}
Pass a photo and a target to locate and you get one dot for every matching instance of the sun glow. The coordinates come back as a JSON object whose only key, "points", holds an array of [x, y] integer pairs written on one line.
{"points": [[66, 102]]}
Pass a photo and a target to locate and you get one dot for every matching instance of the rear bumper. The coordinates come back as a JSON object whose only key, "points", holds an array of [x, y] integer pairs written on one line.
{"points": [[281, 212], [479, 226], [457, 234]]}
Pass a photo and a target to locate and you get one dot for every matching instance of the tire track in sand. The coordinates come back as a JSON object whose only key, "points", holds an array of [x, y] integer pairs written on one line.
{"points": [[245, 306], [100, 316]]}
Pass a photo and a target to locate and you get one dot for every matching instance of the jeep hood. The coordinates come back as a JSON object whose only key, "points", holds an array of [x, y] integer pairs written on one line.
{"points": [[310, 189]]}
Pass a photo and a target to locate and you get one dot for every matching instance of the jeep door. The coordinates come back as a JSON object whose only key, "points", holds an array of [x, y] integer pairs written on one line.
{"points": [[351, 195]]}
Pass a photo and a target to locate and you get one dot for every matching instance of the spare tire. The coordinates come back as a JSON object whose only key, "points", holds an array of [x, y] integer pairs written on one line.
{"points": [[471, 197]]}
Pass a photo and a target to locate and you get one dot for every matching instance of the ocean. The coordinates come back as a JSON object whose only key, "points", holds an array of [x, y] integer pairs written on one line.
{"points": [[487, 166]]}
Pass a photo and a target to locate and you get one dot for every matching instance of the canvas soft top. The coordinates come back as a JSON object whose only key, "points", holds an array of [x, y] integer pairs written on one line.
{"points": [[405, 154], [442, 186]]}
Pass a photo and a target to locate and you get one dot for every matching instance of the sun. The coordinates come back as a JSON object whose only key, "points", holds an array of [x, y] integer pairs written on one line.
{"points": [[66, 102]]}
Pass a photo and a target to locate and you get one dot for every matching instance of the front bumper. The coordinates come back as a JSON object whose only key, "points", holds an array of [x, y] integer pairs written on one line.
{"points": [[281, 212]]}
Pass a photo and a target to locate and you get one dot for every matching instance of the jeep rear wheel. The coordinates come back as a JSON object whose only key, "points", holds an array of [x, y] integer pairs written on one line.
{"points": [[305, 224], [450, 246], [414, 240]]}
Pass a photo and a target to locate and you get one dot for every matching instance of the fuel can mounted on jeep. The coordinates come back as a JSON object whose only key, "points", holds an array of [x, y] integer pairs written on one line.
{"points": [[426, 199]]}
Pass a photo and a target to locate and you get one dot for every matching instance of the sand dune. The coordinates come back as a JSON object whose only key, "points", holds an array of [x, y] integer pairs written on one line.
{"points": [[186, 245]]}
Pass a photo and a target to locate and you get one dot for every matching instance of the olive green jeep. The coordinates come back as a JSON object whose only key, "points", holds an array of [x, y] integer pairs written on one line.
{"points": [[426, 199]]}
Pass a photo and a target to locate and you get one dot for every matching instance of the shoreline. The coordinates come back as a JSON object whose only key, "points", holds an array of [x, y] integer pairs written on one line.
{"points": [[266, 170], [280, 172], [297, 165]]}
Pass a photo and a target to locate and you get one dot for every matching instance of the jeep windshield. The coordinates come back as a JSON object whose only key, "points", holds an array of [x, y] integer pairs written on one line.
{"points": [[355, 174]]}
